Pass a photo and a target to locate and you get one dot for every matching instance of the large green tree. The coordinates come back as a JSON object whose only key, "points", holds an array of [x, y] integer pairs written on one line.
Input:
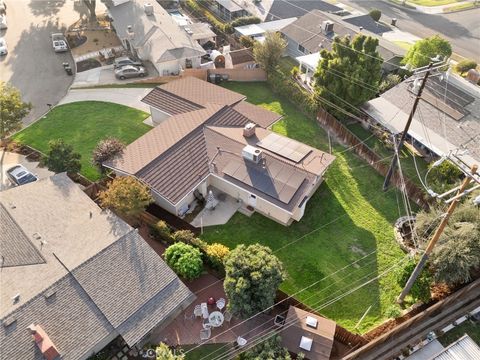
{"points": [[422, 52], [269, 52], [253, 275], [61, 157], [12, 110], [348, 74]]}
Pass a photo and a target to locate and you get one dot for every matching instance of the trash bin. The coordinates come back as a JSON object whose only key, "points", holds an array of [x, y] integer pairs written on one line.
{"points": [[69, 70], [394, 22]]}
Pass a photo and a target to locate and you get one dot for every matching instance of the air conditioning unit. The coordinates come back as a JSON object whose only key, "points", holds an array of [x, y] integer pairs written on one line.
{"points": [[148, 8], [327, 26], [252, 154]]}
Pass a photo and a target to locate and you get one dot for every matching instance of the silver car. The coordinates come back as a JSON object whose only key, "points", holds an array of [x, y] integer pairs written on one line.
{"points": [[130, 71], [19, 175], [3, 47], [125, 60]]}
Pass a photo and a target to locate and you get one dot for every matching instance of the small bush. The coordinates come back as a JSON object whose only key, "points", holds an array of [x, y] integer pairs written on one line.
{"points": [[375, 14], [389, 82], [162, 230], [185, 260], [295, 71], [105, 150], [463, 66], [246, 41], [216, 254], [245, 20], [393, 312], [185, 236]]}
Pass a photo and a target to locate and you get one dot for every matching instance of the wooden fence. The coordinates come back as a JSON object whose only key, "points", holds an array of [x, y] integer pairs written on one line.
{"points": [[366, 153]]}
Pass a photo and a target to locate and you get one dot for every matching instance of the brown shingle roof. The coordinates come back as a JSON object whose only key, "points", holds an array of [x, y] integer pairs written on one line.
{"points": [[201, 92], [257, 114], [170, 103], [241, 56], [322, 336]]}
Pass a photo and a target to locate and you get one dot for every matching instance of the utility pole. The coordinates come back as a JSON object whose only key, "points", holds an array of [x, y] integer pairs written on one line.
{"points": [[405, 131], [418, 269]]}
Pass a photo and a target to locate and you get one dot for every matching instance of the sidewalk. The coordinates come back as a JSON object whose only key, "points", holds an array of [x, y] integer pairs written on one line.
{"points": [[440, 9]]}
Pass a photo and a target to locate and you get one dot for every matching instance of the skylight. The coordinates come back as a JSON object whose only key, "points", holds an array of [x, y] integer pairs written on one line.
{"points": [[306, 343], [312, 322]]}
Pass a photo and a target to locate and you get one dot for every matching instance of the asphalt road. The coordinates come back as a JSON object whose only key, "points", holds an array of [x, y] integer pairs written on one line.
{"points": [[462, 29], [31, 65]]}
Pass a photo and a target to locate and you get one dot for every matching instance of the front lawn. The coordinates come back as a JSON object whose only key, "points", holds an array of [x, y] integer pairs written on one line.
{"points": [[348, 218], [83, 124]]}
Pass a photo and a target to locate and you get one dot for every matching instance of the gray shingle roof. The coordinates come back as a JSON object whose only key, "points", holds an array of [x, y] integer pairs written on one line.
{"points": [[16, 248], [366, 22], [282, 9]]}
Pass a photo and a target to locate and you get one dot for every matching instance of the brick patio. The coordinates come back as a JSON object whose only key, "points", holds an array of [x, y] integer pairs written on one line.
{"points": [[185, 329]]}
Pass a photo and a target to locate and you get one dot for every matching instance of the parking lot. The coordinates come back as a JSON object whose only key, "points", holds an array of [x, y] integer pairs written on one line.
{"points": [[9, 159]]}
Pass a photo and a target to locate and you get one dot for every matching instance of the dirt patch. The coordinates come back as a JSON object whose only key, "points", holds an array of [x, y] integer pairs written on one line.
{"points": [[76, 40], [87, 65]]}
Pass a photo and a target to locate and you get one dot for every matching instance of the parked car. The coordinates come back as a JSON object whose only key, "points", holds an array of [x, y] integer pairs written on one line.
{"points": [[59, 42], [3, 47], [19, 175], [129, 71], [3, 22], [125, 60]]}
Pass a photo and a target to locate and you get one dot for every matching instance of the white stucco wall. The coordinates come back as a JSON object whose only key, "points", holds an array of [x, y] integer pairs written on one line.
{"points": [[158, 116]]}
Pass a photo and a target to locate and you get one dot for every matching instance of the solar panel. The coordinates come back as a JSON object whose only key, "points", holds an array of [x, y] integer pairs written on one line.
{"points": [[285, 147], [276, 180]]}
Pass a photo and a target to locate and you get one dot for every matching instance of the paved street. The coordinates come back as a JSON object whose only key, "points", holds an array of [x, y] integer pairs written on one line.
{"points": [[462, 29], [31, 65]]}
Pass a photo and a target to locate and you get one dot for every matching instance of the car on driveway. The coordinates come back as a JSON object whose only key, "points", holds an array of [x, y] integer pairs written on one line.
{"points": [[130, 71], [3, 22], [125, 60], [59, 42], [3, 47], [19, 175]]}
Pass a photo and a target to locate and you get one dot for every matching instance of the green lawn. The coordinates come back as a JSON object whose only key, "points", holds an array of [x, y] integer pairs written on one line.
{"points": [[433, 2], [347, 218], [82, 125], [207, 352], [467, 327]]}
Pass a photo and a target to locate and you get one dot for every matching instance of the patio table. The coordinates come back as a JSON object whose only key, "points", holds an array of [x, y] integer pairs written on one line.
{"points": [[216, 319]]}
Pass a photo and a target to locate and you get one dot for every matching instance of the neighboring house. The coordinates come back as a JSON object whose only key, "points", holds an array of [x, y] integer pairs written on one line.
{"points": [[210, 137], [316, 30], [366, 22], [462, 349], [257, 31], [447, 119], [309, 334], [240, 59], [74, 277], [230, 10], [282, 9], [149, 32]]}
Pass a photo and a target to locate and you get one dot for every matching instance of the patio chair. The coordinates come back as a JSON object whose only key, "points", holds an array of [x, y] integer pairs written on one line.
{"points": [[227, 316], [206, 324], [241, 341], [221, 304], [198, 311], [205, 334], [204, 308]]}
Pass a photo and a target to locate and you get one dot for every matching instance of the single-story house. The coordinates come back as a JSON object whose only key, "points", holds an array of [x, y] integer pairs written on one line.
{"points": [[240, 59], [74, 277], [316, 30], [209, 136], [308, 333], [230, 10], [258, 30], [149, 32], [447, 119]]}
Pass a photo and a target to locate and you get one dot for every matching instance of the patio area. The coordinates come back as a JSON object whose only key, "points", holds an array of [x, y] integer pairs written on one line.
{"points": [[185, 329], [219, 208]]}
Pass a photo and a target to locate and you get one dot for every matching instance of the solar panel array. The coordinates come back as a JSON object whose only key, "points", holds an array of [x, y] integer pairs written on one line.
{"points": [[285, 147], [277, 180]]}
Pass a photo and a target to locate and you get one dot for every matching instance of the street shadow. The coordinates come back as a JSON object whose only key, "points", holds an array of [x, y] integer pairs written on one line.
{"points": [[46, 8]]}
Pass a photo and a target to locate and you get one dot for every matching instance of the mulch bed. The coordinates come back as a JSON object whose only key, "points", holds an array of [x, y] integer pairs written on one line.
{"points": [[87, 65]]}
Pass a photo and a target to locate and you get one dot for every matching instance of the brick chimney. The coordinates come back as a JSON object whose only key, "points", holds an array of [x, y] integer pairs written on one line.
{"points": [[46, 346]]}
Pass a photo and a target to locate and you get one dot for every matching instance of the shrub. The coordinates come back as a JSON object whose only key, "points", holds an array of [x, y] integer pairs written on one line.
{"points": [[106, 149], [162, 229], [185, 260], [375, 14], [295, 71], [246, 41], [188, 237], [389, 82], [216, 254], [393, 312], [442, 177], [463, 66], [245, 20], [421, 288], [61, 157]]}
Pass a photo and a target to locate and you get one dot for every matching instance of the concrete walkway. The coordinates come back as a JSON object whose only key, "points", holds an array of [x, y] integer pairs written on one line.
{"points": [[125, 96], [440, 9]]}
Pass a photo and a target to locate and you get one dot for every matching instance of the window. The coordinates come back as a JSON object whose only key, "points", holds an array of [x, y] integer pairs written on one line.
{"points": [[302, 49]]}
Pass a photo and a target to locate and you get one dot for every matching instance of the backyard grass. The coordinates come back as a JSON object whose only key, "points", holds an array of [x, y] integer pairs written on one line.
{"points": [[83, 124], [206, 352], [467, 327], [348, 218]]}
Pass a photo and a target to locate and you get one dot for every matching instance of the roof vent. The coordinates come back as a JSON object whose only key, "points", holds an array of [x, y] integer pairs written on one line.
{"points": [[9, 320], [252, 154], [148, 9], [37, 236], [188, 30], [49, 293], [249, 130], [311, 321], [16, 298], [327, 26], [306, 343]]}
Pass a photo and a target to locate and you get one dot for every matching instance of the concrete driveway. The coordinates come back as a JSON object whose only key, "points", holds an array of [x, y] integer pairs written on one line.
{"points": [[124, 96], [31, 65], [9, 159]]}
